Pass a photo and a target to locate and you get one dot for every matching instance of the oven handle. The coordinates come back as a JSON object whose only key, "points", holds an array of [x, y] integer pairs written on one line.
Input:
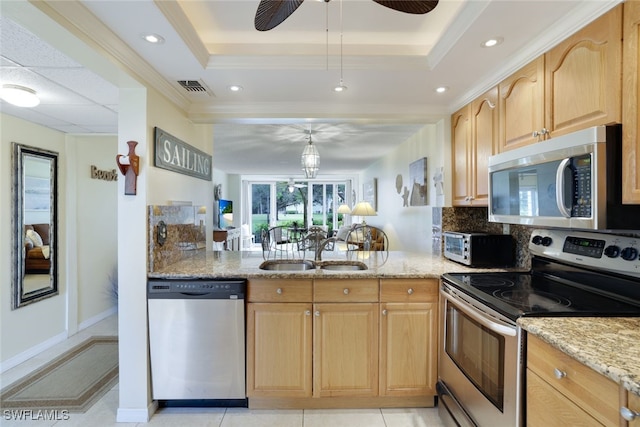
{"points": [[481, 317]]}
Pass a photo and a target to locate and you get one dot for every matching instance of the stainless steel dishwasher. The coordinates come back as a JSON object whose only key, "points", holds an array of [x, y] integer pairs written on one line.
{"points": [[197, 339]]}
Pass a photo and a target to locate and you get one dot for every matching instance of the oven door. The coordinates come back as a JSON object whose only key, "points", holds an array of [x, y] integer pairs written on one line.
{"points": [[480, 360]]}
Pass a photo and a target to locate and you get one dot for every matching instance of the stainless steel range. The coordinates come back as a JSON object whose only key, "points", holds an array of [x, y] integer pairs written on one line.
{"points": [[481, 365]]}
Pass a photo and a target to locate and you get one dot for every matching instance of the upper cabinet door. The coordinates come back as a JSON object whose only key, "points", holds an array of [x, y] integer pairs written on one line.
{"points": [[631, 104], [521, 106], [484, 138], [460, 141], [582, 78]]}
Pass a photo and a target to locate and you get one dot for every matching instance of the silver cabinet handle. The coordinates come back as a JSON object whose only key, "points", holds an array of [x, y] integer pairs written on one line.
{"points": [[308, 312], [410, 291], [629, 414], [559, 374], [317, 313], [384, 312], [346, 291], [279, 291]]}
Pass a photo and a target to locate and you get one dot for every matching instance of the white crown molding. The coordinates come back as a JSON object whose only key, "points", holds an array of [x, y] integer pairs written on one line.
{"points": [[316, 62], [81, 22], [181, 24], [461, 23], [566, 26], [259, 112]]}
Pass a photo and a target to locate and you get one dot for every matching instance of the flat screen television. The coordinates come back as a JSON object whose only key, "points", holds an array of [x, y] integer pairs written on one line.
{"points": [[225, 213]]}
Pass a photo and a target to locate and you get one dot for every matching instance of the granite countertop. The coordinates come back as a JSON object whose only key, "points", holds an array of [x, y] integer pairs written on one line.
{"points": [[609, 345], [245, 264]]}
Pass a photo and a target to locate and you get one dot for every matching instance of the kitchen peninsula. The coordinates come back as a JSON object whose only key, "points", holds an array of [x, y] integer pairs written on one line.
{"points": [[323, 338]]}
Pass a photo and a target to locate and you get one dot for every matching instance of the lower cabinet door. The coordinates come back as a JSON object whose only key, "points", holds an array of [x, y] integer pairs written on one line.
{"points": [[345, 349], [279, 340], [408, 349]]}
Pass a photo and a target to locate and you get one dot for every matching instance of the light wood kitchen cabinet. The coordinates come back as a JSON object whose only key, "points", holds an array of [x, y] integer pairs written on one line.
{"points": [[631, 103], [345, 338], [323, 344], [408, 337], [279, 338], [474, 135], [630, 401], [461, 160], [573, 86], [562, 391], [582, 77], [521, 106]]}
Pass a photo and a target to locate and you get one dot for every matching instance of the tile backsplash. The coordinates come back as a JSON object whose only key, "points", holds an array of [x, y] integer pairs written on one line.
{"points": [[186, 234], [475, 219]]}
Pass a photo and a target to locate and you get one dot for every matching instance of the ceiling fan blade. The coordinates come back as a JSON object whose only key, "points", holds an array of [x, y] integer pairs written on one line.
{"points": [[272, 13], [416, 7]]}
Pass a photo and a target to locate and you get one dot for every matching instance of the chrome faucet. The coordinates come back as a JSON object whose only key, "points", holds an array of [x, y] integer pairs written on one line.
{"points": [[320, 247]]}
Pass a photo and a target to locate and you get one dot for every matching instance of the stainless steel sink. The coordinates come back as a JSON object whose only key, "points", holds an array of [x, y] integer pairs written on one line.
{"points": [[342, 265], [288, 265]]}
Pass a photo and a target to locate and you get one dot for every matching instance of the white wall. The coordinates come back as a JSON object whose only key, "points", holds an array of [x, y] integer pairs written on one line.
{"points": [[409, 228], [86, 241], [40, 322], [140, 111], [96, 231]]}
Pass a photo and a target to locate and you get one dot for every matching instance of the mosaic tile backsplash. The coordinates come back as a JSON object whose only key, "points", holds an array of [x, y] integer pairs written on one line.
{"points": [[469, 220], [186, 234]]}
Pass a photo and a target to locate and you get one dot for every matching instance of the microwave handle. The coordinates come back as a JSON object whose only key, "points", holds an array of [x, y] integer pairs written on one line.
{"points": [[560, 188]]}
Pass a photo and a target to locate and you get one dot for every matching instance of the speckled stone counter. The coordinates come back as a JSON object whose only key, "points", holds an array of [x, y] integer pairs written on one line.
{"points": [[608, 345], [246, 264]]}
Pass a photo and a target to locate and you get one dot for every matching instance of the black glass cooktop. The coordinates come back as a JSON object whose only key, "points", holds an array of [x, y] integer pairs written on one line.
{"points": [[568, 293]]}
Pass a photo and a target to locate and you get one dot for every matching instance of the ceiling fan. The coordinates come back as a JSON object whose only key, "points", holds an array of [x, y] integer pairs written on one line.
{"points": [[292, 185], [272, 13]]}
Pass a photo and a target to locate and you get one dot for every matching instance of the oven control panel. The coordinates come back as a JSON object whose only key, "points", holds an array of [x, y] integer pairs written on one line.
{"points": [[619, 254]]}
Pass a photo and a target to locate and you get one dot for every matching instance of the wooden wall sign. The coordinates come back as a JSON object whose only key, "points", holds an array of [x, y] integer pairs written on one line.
{"points": [[96, 173], [178, 156]]}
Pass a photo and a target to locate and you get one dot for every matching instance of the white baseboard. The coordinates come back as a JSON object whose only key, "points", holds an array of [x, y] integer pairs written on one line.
{"points": [[130, 415], [33, 351], [97, 318], [57, 339]]}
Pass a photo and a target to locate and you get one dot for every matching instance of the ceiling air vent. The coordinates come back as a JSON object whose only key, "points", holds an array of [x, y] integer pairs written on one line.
{"points": [[194, 86]]}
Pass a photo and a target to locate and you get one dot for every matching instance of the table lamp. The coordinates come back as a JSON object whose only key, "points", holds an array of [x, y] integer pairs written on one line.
{"points": [[363, 209]]}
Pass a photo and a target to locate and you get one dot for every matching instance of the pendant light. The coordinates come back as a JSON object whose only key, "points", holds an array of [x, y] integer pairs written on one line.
{"points": [[341, 87], [310, 159]]}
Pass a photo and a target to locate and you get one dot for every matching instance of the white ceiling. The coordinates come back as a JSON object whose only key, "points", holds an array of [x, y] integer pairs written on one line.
{"points": [[391, 62]]}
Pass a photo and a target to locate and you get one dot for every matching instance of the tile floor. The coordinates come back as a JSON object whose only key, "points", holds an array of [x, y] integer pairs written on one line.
{"points": [[103, 413]]}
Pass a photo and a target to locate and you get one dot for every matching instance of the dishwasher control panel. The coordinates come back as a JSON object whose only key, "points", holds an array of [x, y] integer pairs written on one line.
{"points": [[163, 288]]}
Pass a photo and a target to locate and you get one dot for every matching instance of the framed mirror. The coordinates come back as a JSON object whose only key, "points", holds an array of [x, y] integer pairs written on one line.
{"points": [[34, 224]]}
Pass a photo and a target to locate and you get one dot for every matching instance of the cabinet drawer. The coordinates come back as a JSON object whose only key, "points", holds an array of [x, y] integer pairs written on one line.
{"points": [[345, 290], [285, 290], [547, 407], [593, 392], [409, 290]]}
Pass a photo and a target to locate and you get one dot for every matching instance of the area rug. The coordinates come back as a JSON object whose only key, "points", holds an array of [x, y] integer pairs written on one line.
{"points": [[73, 381]]}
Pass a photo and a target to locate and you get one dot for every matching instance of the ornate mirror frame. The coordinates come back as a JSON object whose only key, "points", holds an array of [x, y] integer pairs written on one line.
{"points": [[25, 289]]}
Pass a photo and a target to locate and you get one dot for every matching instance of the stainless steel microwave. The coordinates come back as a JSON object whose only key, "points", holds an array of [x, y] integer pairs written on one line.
{"points": [[571, 181]]}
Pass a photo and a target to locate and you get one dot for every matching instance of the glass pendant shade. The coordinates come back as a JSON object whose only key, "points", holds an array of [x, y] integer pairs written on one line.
{"points": [[310, 160]]}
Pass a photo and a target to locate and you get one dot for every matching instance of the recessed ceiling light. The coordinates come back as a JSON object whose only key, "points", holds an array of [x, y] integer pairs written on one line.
{"points": [[494, 41], [19, 96], [442, 89], [235, 88], [153, 38]]}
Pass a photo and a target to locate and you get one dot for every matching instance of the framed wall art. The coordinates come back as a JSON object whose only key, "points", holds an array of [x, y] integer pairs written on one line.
{"points": [[370, 192], [418, 182]]}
